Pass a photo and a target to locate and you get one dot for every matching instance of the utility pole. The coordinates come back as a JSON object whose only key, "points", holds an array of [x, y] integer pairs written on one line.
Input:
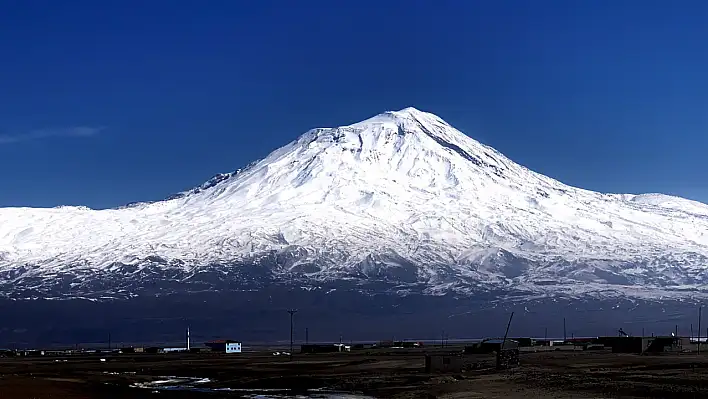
{"points": [[565, 337], [677, 340], [109, 341], [292, 313], [507, 330], [700, 310], [545, 334], [307, 335]]}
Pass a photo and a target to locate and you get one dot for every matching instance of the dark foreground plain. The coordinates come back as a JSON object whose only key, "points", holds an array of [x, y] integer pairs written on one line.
{"points": [[381, 374]]}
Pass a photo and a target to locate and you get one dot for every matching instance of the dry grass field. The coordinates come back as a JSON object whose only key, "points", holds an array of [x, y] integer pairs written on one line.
{"points": [[380, 374]]}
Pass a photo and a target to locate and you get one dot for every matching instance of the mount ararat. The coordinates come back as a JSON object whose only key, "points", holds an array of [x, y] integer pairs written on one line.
{"points": [[401, 204]]}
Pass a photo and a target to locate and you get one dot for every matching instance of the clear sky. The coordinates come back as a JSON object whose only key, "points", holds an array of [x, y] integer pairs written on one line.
{"points": [[108, 102]]}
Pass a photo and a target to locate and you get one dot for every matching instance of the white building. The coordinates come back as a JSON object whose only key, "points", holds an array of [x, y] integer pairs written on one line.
{"points": [[225, 346], [233, 347]]}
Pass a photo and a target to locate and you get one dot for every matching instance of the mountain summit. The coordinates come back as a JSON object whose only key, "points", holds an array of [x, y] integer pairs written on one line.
{"points": [[401, 200]]}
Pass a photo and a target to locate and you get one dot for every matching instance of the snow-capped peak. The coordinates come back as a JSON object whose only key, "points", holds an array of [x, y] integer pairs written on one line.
{"points": [[401, 196], [403, 115], [387, 154]]}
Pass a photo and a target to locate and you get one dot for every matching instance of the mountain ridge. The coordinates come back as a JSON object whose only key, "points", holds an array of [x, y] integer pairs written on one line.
{"points": [[401, 198], [220, 177]]}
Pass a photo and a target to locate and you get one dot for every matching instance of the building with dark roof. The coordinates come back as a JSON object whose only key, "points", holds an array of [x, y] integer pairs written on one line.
{"points": [[224, 346]]}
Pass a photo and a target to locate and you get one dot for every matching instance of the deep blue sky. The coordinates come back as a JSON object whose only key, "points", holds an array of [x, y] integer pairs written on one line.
{"points": [[108, 102]]}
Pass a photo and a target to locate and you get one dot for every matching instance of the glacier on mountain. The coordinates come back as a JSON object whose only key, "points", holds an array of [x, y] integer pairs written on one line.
{"points": [[401, 199]]}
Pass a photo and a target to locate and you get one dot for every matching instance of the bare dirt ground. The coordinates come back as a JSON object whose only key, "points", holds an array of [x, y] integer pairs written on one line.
{"points": [[382, 374]]}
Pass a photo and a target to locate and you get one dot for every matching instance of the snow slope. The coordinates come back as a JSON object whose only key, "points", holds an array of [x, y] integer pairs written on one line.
{"points": [[401, 198]]}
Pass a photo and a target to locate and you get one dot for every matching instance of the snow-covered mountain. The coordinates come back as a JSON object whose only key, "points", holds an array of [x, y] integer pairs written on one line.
{"points": [[401, 201]]}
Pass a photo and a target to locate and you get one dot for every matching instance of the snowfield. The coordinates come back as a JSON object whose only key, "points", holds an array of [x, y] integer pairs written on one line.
{"points": [[402, 198]]}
